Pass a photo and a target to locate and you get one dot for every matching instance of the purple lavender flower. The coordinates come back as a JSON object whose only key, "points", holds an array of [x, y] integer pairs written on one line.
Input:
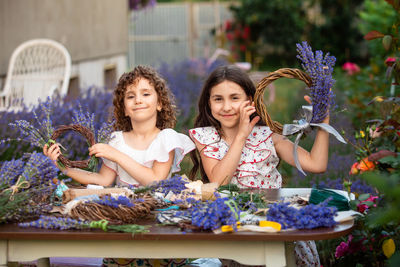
{"points": [[214, 214], [175, 184], [320, 69], [308, 217], [115, 202], [50, 222]]}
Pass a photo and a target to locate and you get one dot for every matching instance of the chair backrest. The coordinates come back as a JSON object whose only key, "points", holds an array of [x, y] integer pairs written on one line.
{"points": [[37, 69]]}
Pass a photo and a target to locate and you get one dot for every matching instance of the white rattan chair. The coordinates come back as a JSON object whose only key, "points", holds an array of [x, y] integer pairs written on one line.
{"points": [[37, 69]]}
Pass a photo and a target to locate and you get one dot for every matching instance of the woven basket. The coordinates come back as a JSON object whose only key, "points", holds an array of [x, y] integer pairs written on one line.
{"points": [[259, 95], [86, 132]]}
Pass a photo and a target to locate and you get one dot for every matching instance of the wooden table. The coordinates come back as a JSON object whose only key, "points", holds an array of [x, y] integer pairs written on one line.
{"points": [[270, 249]]}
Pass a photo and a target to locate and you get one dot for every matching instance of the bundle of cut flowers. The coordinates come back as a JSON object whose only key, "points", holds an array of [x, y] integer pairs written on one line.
{"points": [[26, 187], [30, 129], [319, 68], [65, 223], [211, 215], [39, 132], [307, 217]]}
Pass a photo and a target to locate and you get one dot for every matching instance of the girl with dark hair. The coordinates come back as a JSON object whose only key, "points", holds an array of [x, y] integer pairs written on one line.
{"points": [[236, 147], [143, 148]]}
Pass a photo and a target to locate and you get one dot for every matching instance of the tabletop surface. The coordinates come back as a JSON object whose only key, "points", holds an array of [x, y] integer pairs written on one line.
{"points": [[158, 232], [161, 232]]}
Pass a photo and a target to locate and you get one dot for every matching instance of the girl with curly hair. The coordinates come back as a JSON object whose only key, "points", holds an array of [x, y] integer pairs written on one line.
{"points": [[144, 148]]}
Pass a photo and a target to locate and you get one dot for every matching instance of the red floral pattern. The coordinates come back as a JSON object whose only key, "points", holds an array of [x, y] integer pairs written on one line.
{"points": [[257, 167]]}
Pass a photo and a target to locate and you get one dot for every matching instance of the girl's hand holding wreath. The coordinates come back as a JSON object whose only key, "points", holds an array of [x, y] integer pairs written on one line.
{"points": [[104, 151], [52, 152]]}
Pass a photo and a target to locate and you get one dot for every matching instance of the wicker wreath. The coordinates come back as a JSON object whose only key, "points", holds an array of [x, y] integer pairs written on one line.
{"points": [[122, 215], [259, 95], [86, 132]]}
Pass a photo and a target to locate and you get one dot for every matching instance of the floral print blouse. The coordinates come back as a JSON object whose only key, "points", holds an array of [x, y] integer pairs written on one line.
{"points": [[258, 162]]}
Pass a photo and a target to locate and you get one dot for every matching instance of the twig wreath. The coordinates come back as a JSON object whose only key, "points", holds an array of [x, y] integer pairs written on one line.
{"points": [[122, 214], [85, 132], [318, 78]]}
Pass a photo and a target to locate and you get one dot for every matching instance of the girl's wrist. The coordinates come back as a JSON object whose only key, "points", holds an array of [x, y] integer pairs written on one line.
{"points": [[240, 138], [62, 169]]}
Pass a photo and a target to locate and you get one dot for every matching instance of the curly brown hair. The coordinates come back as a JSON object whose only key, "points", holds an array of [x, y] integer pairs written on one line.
{"points": [[166, 118]]}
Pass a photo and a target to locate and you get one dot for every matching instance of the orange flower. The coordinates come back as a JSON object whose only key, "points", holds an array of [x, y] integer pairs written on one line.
{"points": [[362, 166], [354, 169], [366, 165]]}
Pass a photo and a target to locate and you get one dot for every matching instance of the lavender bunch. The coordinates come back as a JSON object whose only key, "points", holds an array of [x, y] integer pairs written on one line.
{"points": [[61, 223], [308, 217], [115, 202], [214, 214], [25, 187], [10, 170], [50, 222], [83, 118], [87, 119], [37, 136], [175, 184], [319, 68]]}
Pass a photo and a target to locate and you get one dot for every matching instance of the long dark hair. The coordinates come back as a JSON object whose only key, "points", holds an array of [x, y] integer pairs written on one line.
{"points": [[204, 118]]}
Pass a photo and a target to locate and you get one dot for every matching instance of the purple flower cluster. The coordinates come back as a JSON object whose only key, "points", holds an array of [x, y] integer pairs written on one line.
{"points": [[10, 170], [214, 214], [36, 168], [308, 217], [50, 222], [32, 128], [115, 202], [320, 69], [175, 184], [30, 200]]}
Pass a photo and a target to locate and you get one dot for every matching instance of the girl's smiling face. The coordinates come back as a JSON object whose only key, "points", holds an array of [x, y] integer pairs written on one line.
{"points": [[225, 100], [141, 101]]}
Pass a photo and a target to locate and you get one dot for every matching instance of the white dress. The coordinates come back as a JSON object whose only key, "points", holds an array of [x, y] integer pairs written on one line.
{"points": [[166, 141], [258, 162]]}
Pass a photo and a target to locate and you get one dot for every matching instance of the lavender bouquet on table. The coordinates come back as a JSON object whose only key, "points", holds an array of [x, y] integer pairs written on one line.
{"points": [[319, 68]]}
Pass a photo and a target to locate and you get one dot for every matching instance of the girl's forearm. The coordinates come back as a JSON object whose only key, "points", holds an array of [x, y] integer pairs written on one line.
{"points": [[86, 177], [142, 174], [319, 152], [223, 171]]}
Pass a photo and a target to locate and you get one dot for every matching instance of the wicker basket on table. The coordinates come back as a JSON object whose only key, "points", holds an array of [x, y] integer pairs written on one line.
{"points": [[259, 95], [85, 132]]}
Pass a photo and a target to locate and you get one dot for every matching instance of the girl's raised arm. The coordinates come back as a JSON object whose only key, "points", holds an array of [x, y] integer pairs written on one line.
{"points": [[221, 171], [315, 161]]}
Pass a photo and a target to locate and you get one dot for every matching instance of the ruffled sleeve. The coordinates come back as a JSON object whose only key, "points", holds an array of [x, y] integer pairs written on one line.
{"points": [[116, 142], [167, 141], [215, 146]]}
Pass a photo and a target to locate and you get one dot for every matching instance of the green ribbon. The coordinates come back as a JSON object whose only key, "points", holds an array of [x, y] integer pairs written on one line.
{"points": [[102, 224]]}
